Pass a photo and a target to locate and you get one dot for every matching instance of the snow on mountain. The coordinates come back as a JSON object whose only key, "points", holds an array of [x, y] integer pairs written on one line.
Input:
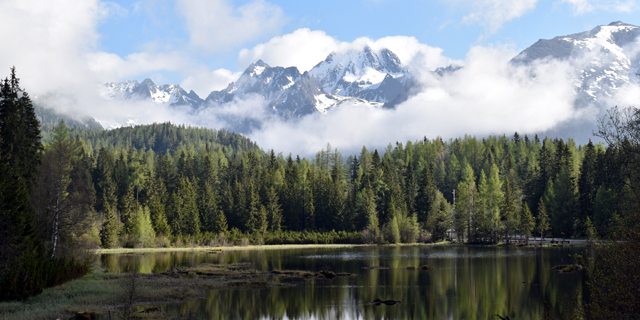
{"points": [[601, 57], [259, 78], [171, 94], [365, 74], [362, 76]]}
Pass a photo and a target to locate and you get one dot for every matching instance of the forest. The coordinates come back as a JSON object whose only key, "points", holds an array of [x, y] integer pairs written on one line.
{"points": [[65, 189], [209, 188]]}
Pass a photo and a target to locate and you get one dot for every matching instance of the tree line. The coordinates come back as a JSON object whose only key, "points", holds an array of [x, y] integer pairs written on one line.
{"points": [[482, 190]]}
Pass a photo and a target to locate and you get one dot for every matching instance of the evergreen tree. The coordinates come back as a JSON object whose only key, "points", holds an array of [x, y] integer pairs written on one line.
{"points": [[274, 211], [466, 195], [563, 204], [426, 193], [103, 180], [527, 223], [128, 211], [190, 214], [109, 233], [211, 215], [20, 148], [543, 220], [508, 213], [156, 202], [586, 183]]}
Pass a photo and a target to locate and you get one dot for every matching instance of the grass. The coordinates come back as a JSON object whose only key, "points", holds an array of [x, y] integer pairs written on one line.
{"points": [[101, 293]]}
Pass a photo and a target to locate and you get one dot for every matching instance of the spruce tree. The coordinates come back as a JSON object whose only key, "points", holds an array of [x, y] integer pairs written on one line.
{"points": [[109, 232], [526, 222], [508, 212], [543, 220], [103, 180], [274, 212]]}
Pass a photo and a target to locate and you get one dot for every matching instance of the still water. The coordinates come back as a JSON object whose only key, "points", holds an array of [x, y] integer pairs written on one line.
{"points": [[465, 283]]}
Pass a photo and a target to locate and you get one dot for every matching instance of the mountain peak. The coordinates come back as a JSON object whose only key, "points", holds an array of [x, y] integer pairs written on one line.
{"points": [[620, 24], [256, 69], [148, 82]]}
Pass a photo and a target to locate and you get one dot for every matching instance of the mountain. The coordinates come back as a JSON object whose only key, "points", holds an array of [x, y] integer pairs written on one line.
{"points": [[602, 57], [369, 75], [605, 60], [366, 77], [171, 94]]}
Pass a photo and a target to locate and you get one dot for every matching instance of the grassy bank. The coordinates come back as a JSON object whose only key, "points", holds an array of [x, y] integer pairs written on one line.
{"points": [[102, 294]]}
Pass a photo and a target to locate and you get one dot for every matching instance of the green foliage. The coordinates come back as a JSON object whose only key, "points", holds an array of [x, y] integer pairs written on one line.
{"points": [[109, 233], [526, 221], [143, 229]]}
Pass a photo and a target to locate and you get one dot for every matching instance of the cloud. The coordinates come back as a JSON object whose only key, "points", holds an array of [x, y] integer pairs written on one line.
{"points": [[488, 96], [46, 40], [203, 81], [305, 48], [109, 66], [585, 6], [215, 25], [492, 14], [302, 48]]}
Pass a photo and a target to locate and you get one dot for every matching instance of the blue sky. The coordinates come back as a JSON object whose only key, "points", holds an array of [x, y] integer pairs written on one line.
{"points": [[161, 25]]}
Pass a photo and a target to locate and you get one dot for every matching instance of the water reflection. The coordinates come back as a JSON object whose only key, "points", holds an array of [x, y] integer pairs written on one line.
{"points": [[465, 283]]}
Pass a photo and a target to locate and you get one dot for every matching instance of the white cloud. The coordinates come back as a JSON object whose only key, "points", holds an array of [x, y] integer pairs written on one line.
{"points": [[305, 48], [46, 40], [203, 81], [585, 6], [487, 96], [492, 14], [109, 66], [216, 25]]}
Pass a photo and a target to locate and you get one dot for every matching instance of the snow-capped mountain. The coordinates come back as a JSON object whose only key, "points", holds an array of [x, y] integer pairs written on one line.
{"points": [[366, 77], [603, 58], [171, 94], [369, 75]]}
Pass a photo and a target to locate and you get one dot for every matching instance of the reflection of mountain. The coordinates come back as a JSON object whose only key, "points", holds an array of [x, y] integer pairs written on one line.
{"points": [[465, 283]]}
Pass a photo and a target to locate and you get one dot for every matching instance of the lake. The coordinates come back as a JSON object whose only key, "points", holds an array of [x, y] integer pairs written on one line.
{"points": [[466, 282]]}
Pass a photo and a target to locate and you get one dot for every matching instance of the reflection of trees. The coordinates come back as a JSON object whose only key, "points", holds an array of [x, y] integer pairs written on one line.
{"points": [[466, 283]]}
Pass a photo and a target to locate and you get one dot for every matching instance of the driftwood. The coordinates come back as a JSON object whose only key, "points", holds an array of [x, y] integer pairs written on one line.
{"points": [[375, 268]]}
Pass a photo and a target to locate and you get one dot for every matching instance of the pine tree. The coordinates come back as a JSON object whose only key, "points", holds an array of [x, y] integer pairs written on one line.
{"points": [[508, 212], [212, 217], [466, 195], [543, 220], [20, 148], [274, 212], [527, 223], [190, 214], [563, 200], [128, 211], [109, 233], [426, 192], [586, 183], [157, 195], [103, 180]]}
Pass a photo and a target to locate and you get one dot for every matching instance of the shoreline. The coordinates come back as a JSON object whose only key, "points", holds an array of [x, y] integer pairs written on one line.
{"points": [[545, 244]]}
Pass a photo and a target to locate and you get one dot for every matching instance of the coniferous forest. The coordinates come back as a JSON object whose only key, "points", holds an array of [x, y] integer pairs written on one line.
{"points": [[175, 185]]}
